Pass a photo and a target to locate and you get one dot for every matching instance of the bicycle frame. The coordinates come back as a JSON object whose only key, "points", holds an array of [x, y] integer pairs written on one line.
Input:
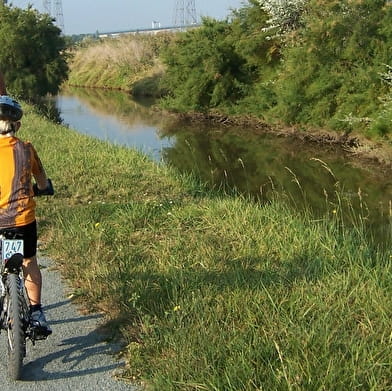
{"points": [[14, 309], [13, 265], [10, 263]]}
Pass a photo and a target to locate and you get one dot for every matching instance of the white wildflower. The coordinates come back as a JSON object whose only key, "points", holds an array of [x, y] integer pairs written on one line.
{"points": [[285, 14]]}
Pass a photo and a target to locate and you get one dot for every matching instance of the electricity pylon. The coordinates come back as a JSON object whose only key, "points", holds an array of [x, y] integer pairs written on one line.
{"points": [[55, 11], [185, 13], [47, 4]]}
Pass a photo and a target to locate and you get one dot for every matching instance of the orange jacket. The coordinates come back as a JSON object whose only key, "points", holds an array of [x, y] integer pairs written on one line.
{"points": [[18, 163]]}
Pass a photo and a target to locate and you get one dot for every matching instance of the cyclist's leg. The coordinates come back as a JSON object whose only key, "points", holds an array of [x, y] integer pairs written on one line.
{"points": [[33, 279], [31, 271], [33, 285]]}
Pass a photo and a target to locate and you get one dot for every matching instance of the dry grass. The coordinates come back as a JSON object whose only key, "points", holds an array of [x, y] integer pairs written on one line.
{"points": [[118, 62], [115, 52]]}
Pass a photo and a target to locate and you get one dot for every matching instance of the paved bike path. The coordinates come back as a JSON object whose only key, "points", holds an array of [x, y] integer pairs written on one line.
{"points": [[75, 357]]}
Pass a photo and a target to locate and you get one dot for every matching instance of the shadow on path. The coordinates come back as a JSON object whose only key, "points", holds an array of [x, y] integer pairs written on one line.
{"points": [[71, 355]]}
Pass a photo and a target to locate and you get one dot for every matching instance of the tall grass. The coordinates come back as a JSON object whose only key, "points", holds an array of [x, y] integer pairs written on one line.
{"points": [[212, 292], [121, 63]]}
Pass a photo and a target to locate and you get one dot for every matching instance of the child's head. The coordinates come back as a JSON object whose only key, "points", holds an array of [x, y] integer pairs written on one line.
{"points": [[10, 114], [9, 128]]}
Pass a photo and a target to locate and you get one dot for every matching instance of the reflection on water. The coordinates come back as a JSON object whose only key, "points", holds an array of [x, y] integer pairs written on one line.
{"points": [[254, 164], [258, 164], [113, 116]]}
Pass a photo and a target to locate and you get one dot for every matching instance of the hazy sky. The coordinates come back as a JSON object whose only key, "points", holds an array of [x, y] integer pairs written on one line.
{"points": [[89, 16]]}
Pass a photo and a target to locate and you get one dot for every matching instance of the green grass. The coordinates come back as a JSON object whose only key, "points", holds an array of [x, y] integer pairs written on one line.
{"points": [[213, 292]]}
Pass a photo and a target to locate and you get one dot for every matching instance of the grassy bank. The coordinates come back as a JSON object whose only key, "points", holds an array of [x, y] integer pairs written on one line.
{"points": [[130, 63], [213, 292]]}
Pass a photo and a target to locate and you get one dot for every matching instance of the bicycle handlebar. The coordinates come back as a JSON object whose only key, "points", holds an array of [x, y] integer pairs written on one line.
{"points": [[48, 191]]}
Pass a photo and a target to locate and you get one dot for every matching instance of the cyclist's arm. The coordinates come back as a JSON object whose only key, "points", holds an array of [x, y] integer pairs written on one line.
{"points": [[42, 181], [43, 185], [38, 171]]}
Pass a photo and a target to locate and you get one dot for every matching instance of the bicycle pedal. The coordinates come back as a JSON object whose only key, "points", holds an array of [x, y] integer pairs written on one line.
{"points": [[39, 333]]}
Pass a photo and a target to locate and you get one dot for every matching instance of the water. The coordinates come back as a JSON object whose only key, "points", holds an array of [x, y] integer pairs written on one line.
{"points": [[253, 163], [136, 129]]}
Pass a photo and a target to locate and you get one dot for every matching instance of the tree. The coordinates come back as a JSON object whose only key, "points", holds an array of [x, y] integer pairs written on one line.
{"points": [[32, 55]]}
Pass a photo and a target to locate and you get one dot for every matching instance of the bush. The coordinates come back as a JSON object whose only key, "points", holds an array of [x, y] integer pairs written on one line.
{"points": [[331, 71], [217, 65]]}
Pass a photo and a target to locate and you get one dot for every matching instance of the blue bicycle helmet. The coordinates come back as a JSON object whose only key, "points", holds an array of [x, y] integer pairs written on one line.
{"points": [[10, 109]]}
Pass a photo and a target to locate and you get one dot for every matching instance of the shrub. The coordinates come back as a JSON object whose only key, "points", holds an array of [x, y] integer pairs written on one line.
{"points": [[335, 59]]}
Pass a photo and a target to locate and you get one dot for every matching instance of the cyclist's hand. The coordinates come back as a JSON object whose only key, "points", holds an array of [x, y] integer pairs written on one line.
{"points": [[48, 191]]}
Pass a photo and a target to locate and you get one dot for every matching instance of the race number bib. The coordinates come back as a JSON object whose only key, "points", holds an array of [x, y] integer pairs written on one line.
{"points": [[11, 247]]}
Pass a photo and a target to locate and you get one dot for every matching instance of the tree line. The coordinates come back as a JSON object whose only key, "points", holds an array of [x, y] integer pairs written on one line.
{"points": [[316, 63], [320, 63]]}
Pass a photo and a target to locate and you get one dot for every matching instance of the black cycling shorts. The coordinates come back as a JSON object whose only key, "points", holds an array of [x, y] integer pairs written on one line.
{"points": [[29, 235]]}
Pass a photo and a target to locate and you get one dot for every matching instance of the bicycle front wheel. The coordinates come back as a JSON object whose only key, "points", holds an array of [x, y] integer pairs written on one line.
{"points": [[14, 324]]}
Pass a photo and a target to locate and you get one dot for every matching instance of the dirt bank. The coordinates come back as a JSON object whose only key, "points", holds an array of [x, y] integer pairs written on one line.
{"points": [[369, 152]]}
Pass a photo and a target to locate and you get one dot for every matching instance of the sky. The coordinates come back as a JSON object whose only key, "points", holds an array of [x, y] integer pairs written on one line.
{"points": [[89, 16]]}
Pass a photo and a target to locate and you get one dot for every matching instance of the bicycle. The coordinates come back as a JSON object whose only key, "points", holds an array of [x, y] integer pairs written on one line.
{"points": [[14, 307]]}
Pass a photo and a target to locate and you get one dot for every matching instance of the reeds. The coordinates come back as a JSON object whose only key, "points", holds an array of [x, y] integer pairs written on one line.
{"points": [[117, 63]]}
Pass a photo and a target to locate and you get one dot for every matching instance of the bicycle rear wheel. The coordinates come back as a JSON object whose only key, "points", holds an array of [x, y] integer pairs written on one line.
{"points": [[14, 324]]}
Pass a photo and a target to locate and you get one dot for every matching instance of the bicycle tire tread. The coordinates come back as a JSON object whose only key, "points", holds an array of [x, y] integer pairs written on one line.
{"points": [[15, 332]]}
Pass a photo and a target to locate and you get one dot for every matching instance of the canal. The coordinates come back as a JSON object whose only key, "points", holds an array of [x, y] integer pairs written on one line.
{"points": [[324, 178]]}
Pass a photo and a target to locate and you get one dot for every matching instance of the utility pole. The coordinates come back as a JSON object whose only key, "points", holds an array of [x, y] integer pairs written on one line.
{"points": [[55, 12], [185, 13]]}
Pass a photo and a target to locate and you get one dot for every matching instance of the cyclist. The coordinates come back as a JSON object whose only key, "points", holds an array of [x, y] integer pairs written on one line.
{"points": [[19, 162]]}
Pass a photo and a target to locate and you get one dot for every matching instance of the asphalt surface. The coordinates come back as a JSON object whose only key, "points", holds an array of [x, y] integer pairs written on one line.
{"points": [[75, 357]]}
